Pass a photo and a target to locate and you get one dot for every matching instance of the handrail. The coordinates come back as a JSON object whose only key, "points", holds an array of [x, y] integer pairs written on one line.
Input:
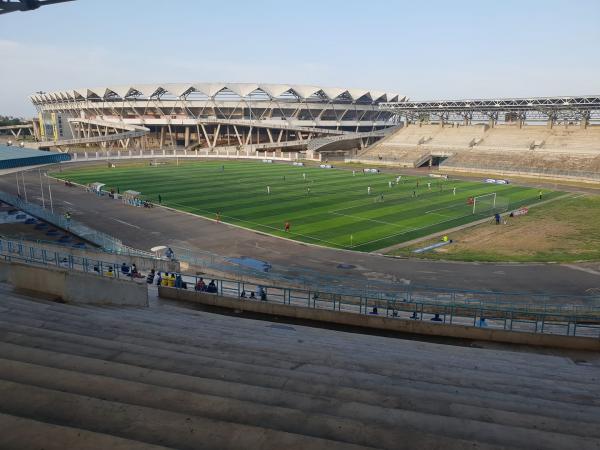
{"points": [[570, 323]]}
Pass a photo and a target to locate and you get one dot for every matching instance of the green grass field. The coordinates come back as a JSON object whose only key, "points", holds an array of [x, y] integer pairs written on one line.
{"points": [[330, 207]]}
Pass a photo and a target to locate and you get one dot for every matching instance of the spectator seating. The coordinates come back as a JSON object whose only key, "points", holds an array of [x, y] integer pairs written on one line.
{"points": [[167, 377]]}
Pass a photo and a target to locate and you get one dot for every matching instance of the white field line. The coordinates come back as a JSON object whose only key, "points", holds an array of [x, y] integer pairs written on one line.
{"points": [[182, 208], [364, 218]]}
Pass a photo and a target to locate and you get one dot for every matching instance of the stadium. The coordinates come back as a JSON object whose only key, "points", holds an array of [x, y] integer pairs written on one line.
{"points": [[212, 115], [223, 265]]}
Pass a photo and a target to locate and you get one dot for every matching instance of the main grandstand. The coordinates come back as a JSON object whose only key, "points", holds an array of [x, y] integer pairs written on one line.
{"points": [[207, 115]]}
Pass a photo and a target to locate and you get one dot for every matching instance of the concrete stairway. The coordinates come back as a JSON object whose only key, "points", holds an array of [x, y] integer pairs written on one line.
{"points": [[168, 377]]}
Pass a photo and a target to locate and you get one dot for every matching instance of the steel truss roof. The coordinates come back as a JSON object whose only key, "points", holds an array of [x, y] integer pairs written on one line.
{"points": [[576, 107]]}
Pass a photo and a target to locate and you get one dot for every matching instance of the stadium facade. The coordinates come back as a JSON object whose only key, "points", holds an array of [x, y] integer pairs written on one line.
{"points": [[210, 115]]}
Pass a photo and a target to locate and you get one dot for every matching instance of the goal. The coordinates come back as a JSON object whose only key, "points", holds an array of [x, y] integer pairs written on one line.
{"points": [[484, 203]]}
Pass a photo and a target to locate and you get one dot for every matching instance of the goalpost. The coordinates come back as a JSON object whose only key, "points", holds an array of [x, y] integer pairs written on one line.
{"points": [[484, 203]]}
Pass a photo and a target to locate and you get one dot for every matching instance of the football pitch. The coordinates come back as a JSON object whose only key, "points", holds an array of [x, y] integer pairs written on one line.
{"points": [[329, 207]]}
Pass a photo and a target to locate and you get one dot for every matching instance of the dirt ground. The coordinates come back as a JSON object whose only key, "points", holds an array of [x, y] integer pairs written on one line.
{"points": [[563, 231]]}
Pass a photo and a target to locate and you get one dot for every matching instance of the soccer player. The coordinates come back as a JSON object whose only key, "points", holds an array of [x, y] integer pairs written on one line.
{"points": [[398, 178], [454, 191], [218, 216], [390, 184], [381, 198], [268, 190], [540, 195], [304, 176], [308, 190], [369, 190], [354, 173], [159, 199], [287, 227], [429, 186]]}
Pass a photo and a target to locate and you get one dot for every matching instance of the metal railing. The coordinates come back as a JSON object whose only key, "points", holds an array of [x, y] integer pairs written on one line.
{"points": [[454, 313], [95, 237], [20, 252], [232, 152], [561, 319], [396, 290]]}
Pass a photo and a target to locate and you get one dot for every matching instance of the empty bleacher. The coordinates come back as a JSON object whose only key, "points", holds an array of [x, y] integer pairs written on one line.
{"points": [[168, 377], [559, 152], [528, 162]]}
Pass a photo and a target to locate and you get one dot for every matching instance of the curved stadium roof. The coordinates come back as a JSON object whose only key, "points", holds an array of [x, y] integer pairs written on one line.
{"points": [[211, 90]]}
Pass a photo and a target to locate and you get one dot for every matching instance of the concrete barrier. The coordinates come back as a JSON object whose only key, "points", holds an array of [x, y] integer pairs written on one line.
{"points": [[385, 323], [75, 287]]}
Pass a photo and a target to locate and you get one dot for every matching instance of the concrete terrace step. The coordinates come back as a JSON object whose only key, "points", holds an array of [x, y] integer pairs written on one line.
{"points": [[476, 371], [26, 434], [222, 409], [367, 382], [213, 367], [316, 424], [120, 373], [183, 335], [144, 424]]}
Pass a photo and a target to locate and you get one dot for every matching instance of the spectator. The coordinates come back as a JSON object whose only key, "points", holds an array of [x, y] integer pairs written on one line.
{"points": [[243, 294], [171, 280], [178, 281], [165, 280], [134, 272], [158, 279], [200, 285], [436, 318], [150, 276], [374, 311], [212, 287], [169, 253], [414, 315], [497, 218], [252, 296], [482, 323]]}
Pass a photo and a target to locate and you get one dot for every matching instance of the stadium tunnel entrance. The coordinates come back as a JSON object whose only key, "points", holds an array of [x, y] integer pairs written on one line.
{"points": [[432, 160]]}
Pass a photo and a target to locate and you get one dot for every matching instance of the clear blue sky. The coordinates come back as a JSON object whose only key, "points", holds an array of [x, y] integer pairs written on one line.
{"points": [[435, 49]]}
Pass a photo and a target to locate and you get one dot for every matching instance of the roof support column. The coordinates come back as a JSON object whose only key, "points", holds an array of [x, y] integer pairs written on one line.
{"points": [[585, 120], [187, 137], [161, 141]]}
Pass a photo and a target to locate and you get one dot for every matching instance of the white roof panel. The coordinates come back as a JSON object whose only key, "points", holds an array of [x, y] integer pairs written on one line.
{"points": [[210, 89], [275, 90], [357, 93], [147, 90], [333, 93], [242, 89], [305, 91]]}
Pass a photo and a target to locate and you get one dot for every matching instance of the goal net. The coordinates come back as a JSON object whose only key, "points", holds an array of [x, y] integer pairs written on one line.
{"points": [[484, 203], [489, 203]]}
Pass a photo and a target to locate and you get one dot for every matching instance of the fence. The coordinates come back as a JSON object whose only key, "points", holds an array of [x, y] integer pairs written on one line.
{"points": [[412, 304], [106, 242], [224, 152], [394, 291], [457, 313], [21, 252]]}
